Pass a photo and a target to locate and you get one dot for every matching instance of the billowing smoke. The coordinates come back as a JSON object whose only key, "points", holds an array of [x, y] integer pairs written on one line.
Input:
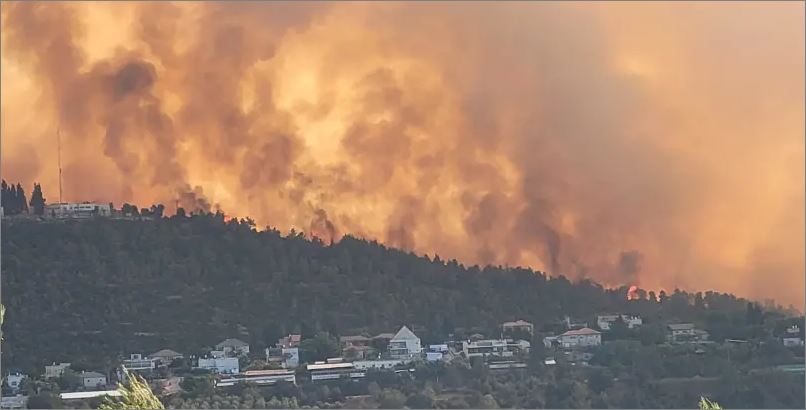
{"points": [[652, 144]]}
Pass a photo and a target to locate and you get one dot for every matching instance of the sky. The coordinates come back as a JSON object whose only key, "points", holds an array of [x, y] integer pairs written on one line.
{"points": [[655, 144]]}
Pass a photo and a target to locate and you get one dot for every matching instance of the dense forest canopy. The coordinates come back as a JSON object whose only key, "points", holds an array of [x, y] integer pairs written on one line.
{"points": [[103, 288]]}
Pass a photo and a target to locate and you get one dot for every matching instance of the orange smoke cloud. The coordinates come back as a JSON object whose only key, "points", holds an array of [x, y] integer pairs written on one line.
{"points": [[656, 144]]}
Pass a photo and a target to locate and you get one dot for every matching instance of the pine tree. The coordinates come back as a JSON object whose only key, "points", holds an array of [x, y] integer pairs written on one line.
{"points": [[4, 197], [37, 200], [21, 200]]}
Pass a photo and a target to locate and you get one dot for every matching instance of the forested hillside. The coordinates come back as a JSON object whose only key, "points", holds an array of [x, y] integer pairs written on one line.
{"points": [[105, 287]]}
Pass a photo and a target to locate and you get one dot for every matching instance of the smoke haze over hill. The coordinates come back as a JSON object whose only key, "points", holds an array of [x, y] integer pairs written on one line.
{"points": [[653, 144]]}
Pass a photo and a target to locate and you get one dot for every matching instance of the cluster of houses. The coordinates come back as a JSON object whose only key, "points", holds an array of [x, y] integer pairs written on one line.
{"points": [[362, 353]]}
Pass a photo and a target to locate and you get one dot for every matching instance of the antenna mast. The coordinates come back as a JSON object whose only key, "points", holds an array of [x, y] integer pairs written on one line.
{"points": [[59, 144]]}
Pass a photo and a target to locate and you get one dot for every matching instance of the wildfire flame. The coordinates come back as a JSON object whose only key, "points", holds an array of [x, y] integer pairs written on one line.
{"points": [[632, 293]]}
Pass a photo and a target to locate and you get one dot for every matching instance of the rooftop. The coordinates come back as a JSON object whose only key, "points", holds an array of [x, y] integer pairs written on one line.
{"points": [[166, 353], [405, 334], [516, 323], [91, 374], [89, 394], [232, 343], [327, 366], [358, 338], [580, 332], [681, 326]]}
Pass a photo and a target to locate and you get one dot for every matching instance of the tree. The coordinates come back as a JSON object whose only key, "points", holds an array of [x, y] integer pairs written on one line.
{"points": [[392, 399], [419, 401], [44, 401], [21, 201], [320, 347], [37, 200]]}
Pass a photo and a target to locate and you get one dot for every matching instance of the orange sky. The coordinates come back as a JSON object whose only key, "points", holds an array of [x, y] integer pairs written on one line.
{"points": [[654, 143]]}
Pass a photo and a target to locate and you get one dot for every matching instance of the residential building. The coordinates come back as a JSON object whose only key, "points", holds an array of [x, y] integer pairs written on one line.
{"points": [[13, 380], [286, 357], [354, 341], [519, 326], [377, 364], [259, 377], [54, 370], [434, 356], [289, 341], [92, 380], [233, 347], [438, 348], [606, 321], [165, 357], [322, 371], [77, 210], [357, 347], [792, 337], [383, 337], [584, 337], [686, 333], [136, 362], [14, 402], [404, 344], [223, 365], [574, 324], [483, 348]]}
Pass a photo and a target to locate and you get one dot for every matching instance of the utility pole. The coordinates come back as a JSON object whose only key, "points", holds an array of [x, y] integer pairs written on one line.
{"points": [[59, 145]]}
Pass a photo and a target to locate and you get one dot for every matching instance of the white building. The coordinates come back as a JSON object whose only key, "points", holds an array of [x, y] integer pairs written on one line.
{"points": [[377, 364], [792, 337], [482, 348], [83, 395], [518, 326], [77, 210], [321, 371], [233, 347], [14, 402], [223, 365], [404, 344], [494, 347], [606, 321], [13, 381], [54, 370], [287, 357], [434, 356], [686, 333], [93, 380], [584, 337], [136, 362], [259, 377]]}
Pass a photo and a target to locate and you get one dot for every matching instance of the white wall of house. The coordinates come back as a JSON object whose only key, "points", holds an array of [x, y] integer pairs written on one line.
{"points": [[91, 382], [226, 365], [377, 364], [55, 370], [580, 340]]}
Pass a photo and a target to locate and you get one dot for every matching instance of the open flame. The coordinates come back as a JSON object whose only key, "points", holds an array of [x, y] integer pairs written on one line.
{"points": [[632, 293]]}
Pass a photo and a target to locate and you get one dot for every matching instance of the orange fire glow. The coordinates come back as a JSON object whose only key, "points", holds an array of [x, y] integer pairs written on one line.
{"points": [[632, 293], [608, 155]]}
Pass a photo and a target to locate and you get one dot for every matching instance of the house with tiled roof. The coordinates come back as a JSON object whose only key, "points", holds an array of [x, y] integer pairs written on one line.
{"points": [[233, 347], [405, 344], [585, 337]]}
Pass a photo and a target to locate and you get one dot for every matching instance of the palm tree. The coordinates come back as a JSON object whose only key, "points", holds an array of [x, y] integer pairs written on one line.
{"points": [[706, 404], [137, 395]]}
